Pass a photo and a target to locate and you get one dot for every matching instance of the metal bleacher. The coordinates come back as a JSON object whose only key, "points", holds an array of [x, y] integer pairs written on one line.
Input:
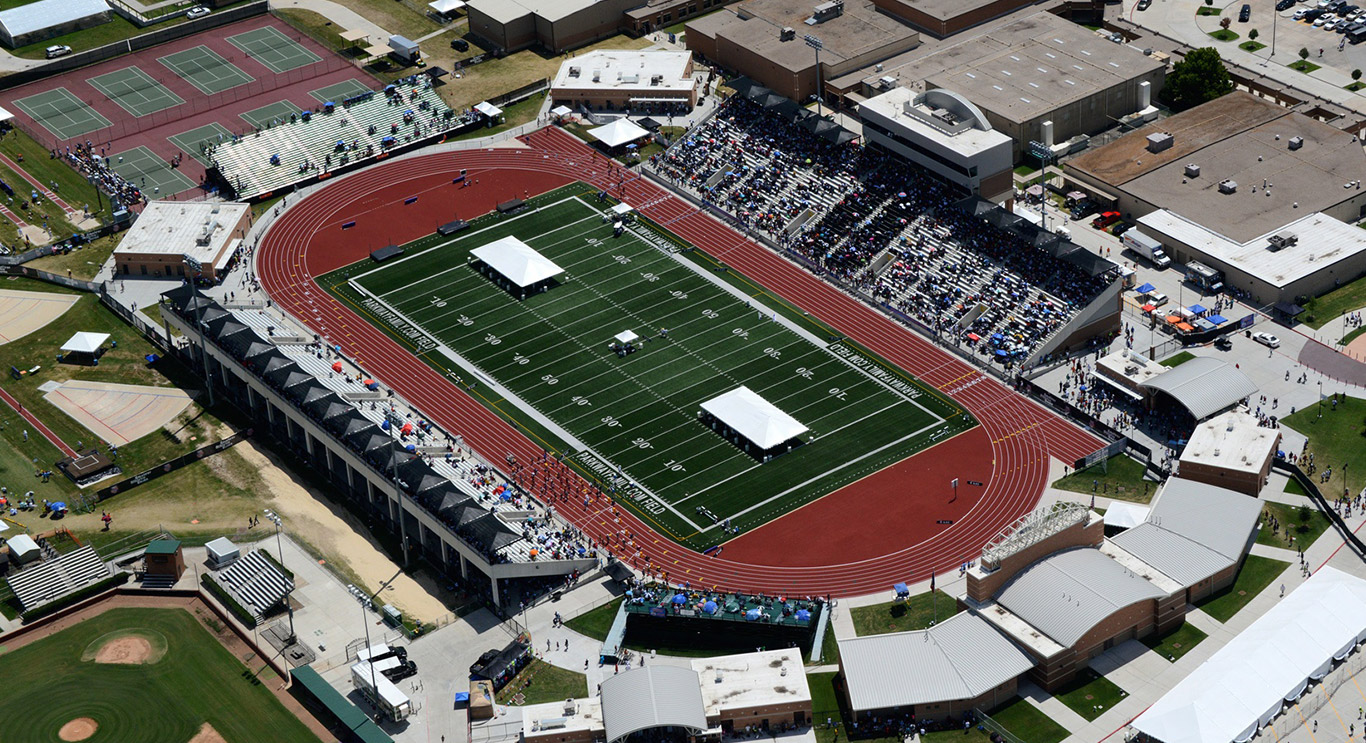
{"points": [[255, 582], [52, 579]]}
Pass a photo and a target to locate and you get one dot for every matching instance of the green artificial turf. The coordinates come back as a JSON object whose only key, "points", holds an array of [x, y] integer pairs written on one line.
{"points": [[196, 681]]}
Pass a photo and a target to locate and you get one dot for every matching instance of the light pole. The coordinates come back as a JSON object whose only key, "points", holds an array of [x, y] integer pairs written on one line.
{"points": [[815, 43], [279, 547], [365, 622], [1045, 154], [398, 495], [194, 265]]}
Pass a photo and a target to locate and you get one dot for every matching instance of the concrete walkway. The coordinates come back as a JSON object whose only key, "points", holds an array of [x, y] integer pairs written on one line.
{"points": [[339, 14]]}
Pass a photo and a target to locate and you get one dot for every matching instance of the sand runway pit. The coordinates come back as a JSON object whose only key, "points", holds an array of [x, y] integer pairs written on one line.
{"points": [[119, 413], [78, 729], [22, 313]]}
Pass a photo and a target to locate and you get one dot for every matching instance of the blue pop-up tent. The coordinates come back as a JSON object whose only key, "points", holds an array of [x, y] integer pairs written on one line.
{"points": [[709, 607], [902, 589], [1145, 288], [803, 615], [752, 614], [680, 599]]}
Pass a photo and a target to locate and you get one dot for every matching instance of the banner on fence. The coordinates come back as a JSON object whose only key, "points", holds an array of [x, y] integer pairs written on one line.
{"points": [[172, 465]]}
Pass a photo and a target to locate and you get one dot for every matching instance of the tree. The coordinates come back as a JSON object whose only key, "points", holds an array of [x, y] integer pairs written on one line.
{"points": [[1253, 34], [1356, 74], [1209, 3], [1198, 78], [1224, 23], [1304, 53]]}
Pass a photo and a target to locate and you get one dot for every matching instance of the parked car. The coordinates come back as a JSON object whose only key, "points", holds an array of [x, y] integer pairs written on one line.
{"points": [[1157, 299], [58, 50], [1245, 14], [1121, 228], [1267, 339], [198, 11], [460, 45], [1145, 4], [1083, 208], [1285, 5], [1300, 14], [1105, 220], [1223, 343]]}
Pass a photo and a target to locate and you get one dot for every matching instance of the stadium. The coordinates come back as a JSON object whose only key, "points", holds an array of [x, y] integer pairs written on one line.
{"points": [[941, 454]]}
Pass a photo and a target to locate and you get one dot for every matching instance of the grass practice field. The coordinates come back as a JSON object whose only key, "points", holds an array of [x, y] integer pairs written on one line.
{"points": [[633, 422], [196, 681]]}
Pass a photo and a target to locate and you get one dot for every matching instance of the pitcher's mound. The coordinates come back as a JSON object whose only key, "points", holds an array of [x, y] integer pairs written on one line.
{"points": [[118, 413], [78, 729], [207, 734], [127, 647]]}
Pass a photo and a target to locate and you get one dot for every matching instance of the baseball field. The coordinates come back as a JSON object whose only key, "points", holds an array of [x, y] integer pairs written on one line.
{"points": [[139, 675]]}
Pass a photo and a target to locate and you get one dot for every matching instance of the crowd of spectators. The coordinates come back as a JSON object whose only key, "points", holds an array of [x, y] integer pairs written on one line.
{"points": [[98, 167]]}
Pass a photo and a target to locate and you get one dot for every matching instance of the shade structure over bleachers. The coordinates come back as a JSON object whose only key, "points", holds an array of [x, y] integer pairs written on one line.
{"points": [[517, 262], [753, 417]]}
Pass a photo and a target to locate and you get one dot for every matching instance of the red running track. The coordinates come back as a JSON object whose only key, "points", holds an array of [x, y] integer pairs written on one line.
{"points": [[1010, 449]]}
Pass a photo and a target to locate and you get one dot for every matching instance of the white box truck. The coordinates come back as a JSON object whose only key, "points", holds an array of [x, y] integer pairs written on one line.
{"points": [[382, 692], [405, 49], [1146, 247]]}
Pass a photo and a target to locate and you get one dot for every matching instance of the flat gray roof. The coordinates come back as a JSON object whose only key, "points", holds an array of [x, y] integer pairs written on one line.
{"points": [[1232, 441], [1033, 66], [1067, 593], [1204, 386], [971, 141], [946, 9], [859, 30], [959, 658]]}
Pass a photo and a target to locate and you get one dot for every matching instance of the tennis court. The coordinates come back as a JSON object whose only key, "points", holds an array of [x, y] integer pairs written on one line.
{"points": [[142, 168], [189, 142], [206, 69], [266, 115], [277, 52], [135, 91], [340, 91], [62, 113]]}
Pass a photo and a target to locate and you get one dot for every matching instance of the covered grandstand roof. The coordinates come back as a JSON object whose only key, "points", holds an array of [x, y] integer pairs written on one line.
{"points": [[1193, 531], [959, 658], [517, 261], [1204, 386], [26, 19], [1245, 684], [753, 417], [1067, 593], [652, 697]]}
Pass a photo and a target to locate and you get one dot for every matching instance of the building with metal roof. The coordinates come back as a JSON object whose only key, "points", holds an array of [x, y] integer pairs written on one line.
{"points": [[1068, 593], [960, 663], [652, 697], [1204, 386], [1196, 534], [1231, 451], [45, 19]]}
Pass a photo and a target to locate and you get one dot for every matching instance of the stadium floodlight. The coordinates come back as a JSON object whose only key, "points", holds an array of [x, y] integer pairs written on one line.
{"points": [[815, 43]]}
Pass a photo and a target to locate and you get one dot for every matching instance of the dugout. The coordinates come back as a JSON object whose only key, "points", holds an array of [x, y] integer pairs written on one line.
{"points": [[342, 718]]}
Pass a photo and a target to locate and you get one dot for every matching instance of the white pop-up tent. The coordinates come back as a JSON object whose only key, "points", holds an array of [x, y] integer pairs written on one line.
{"points": [[446, 6], [618, 133], [753, 417], [1125, 515], [561, 111], [1246, 683], [621, 210], [487, 109], [626, 336], [85, 343], [517, 262]]}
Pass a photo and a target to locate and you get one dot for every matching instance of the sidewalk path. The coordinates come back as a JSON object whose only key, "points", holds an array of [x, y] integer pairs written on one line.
{"points": [[339, 14]]}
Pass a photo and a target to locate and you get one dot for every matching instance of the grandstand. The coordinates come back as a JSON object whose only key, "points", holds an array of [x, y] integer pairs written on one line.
{"points": [[893, 233], [255, 582], [307, 145], [52, 579]]}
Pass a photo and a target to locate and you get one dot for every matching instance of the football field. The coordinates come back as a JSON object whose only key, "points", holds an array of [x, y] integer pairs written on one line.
{"points": [[634, 422]]}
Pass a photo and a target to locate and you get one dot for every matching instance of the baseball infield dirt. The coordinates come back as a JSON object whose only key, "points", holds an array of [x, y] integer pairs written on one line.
{"points": [[79, 729]]}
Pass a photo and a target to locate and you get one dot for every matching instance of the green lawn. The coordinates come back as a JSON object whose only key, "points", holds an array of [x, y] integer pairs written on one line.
{"points": [[197, 681], [1305, 524], [1304, 66], [541, 682], [1346, 339], [1124, 480], [1336, 439], [513, 116], [827, 704], [83, 262], [1027, 723], [1340, 301], [1355, 86], [1209, 11], [1256, 575], [640, 412], [830, 646], [1224, 34], [1091, 694], [1251, 46], [595, 623], [1178, 359], [37, 162], [901, 616], [1176, 643], [1294, 487]]}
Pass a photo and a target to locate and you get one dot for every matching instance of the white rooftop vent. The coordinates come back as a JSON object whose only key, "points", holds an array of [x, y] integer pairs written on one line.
{"points": [[1228, 186], [787, 34], [1160, 141], [1296, 143], [887, 82], [1192, 170]]}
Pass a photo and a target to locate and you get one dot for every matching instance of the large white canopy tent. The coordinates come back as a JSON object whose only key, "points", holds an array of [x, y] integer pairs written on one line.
{"points": [[517, 262], [85, 342], [618, 133], [487, 109], [446, 6], [753, 417], [1245, 684], [1125, 515]]}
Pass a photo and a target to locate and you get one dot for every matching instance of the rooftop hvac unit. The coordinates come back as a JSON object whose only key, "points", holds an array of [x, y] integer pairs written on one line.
{"points": [[886, 82], [1228, 186], [1192, 171], [1282, 240], [573, 72], [1296, 143], [826, 11], [787, 34], [656, 80], [1160, 141], [630, 77], [597, 76], [569, 708]]}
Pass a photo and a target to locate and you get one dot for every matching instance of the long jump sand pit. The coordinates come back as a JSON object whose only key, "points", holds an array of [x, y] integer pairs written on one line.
{"points": [[119, 413], [22, 313]]}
